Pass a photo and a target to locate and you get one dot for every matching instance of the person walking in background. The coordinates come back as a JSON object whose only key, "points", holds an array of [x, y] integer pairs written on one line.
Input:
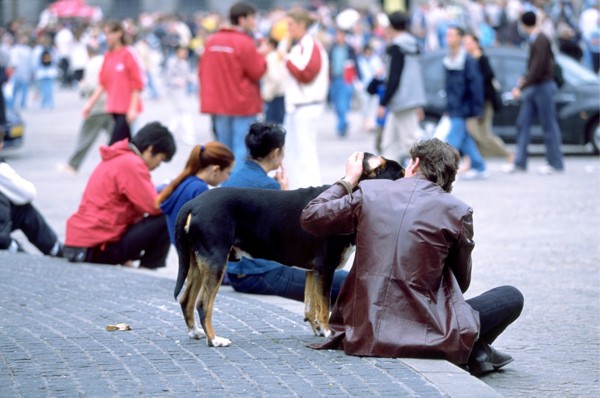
{"points": [[464, 100], [207, 165], [45, 75], [18, 213], [404, 93], [488, 143], [64, 41], [371, 67], [343, 71], [272, 88], [121, 79], [21, 62], [266, 148], [98, 120], [178, 78], [230, 70], [536, 90], [307, 81], [117, 221], [404, 294]]}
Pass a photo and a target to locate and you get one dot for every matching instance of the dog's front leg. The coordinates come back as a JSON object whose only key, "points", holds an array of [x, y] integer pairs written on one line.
{"points": [[313, 306]]}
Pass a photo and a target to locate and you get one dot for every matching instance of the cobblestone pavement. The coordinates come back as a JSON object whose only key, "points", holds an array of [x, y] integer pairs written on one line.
{"points": [[538, 233], [53, 342]]}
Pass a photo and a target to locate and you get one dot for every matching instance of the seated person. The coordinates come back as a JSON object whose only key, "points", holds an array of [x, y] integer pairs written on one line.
{"points": [[208, 164], [116, 221], [265, 143], [17, 213], [412, 266]]}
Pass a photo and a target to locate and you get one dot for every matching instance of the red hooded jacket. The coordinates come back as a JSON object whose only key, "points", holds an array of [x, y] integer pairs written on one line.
{"points": [[118, 194], [230, 70]]}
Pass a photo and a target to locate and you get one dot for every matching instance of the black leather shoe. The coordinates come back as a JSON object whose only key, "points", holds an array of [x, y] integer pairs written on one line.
{"points": [[485, 359]]}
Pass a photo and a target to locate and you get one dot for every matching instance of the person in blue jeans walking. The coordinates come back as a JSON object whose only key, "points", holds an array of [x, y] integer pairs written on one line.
{"points": [[343, 71], [464, 96], [536, 91], [265, 143]]}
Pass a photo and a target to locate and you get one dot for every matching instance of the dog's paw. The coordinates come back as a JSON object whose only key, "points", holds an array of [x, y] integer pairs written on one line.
{"points": [[196, 334], [219, 342], [325, 332]]}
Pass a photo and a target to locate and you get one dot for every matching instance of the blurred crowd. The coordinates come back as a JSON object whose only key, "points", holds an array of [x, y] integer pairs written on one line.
{"points": [[57, 49]]}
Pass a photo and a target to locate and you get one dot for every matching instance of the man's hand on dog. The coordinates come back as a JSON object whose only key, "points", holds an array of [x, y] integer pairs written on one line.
{"points": [[354, 168]]}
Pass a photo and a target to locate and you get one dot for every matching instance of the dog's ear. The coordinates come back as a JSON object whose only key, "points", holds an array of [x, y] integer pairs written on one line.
{"points": [[378, 167]]}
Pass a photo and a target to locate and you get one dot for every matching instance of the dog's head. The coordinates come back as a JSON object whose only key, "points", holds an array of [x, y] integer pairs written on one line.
{"points": [[379, 168]]}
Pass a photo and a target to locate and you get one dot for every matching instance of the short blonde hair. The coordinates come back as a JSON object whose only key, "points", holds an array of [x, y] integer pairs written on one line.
{"points": [[301, 16]]}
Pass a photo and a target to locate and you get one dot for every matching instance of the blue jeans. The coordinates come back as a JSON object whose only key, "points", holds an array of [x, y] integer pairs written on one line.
{"points": [[20, 90], [283, 281], [46, 87], [460, 139], [231, 131], [538, 101], [275, 110], [340, 94]]}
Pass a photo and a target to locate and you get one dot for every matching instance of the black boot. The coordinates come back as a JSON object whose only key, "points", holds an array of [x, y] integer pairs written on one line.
{"points": [[485, 359]]}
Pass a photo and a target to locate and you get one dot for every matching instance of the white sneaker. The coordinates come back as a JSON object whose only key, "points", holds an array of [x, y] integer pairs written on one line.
{"points": [[546, 169], [474, 175], [510, 168], [65, 168]]}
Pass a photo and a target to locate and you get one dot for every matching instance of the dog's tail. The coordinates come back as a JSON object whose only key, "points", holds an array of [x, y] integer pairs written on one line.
{"points": [[183, 248]]}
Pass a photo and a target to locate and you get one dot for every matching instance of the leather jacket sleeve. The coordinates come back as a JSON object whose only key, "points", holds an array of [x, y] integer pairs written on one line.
{"points": [[459, 258], [331, 213]]}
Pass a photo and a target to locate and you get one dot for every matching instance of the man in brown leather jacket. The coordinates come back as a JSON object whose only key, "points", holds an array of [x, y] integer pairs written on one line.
{"points": [[404, 294]]}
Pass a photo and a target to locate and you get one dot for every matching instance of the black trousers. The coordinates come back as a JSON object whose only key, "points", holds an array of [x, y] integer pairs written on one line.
{"points": [[27, 219], [147, 241], [497, 309], [121, 130]]}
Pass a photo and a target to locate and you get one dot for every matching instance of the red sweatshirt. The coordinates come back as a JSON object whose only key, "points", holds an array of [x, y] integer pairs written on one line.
{"points": [[118, 194], [230, 70], [120, 76]]}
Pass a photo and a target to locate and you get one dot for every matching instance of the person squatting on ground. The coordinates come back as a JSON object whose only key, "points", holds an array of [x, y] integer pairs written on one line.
{"points": [[229, 72], [265, 143], [306, 88], [18, 213], [121, 79], [404, 294], [207, 165], [117, 221], [404, 93], [536, 90]]}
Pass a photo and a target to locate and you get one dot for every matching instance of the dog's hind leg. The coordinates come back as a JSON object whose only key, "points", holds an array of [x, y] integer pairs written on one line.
{"points": [[310, 305], [211, 282], [321, 297], [188, 300]]}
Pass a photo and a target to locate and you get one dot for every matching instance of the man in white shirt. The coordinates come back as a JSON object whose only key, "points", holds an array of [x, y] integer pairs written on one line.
{"points": [[17, 213]]}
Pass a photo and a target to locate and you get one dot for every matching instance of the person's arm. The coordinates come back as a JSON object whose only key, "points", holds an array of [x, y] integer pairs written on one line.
{"points": [[475, 86], [136, 184], [334, 211], [98, 91], [132, 112], [137, 85], [459, 258], [393, 80], [254, 62], [17, 189]]}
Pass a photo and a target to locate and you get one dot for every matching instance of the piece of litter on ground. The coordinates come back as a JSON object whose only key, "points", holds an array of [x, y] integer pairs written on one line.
{"points": [[118, 326]]}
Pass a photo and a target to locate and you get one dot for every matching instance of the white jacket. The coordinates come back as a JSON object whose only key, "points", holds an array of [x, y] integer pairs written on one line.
{"points": [[17, 189], [299, 94]]}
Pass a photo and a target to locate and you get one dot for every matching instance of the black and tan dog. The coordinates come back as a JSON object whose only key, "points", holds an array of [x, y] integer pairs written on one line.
{"points": [[225, 223]]}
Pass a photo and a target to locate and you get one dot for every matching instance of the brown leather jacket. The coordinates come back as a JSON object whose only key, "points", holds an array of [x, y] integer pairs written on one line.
{"points": [[402, 297]]}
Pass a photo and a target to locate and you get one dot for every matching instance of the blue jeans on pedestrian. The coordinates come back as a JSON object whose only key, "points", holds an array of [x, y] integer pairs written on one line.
{"points": [[231, 131], [19, 94], [46, 87], [340, 94], [537, 101], [282, 281], [460, 139], [275, 110]]}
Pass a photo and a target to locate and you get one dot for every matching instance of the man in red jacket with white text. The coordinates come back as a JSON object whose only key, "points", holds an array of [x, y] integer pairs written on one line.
{"points": [[230, 71]]}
